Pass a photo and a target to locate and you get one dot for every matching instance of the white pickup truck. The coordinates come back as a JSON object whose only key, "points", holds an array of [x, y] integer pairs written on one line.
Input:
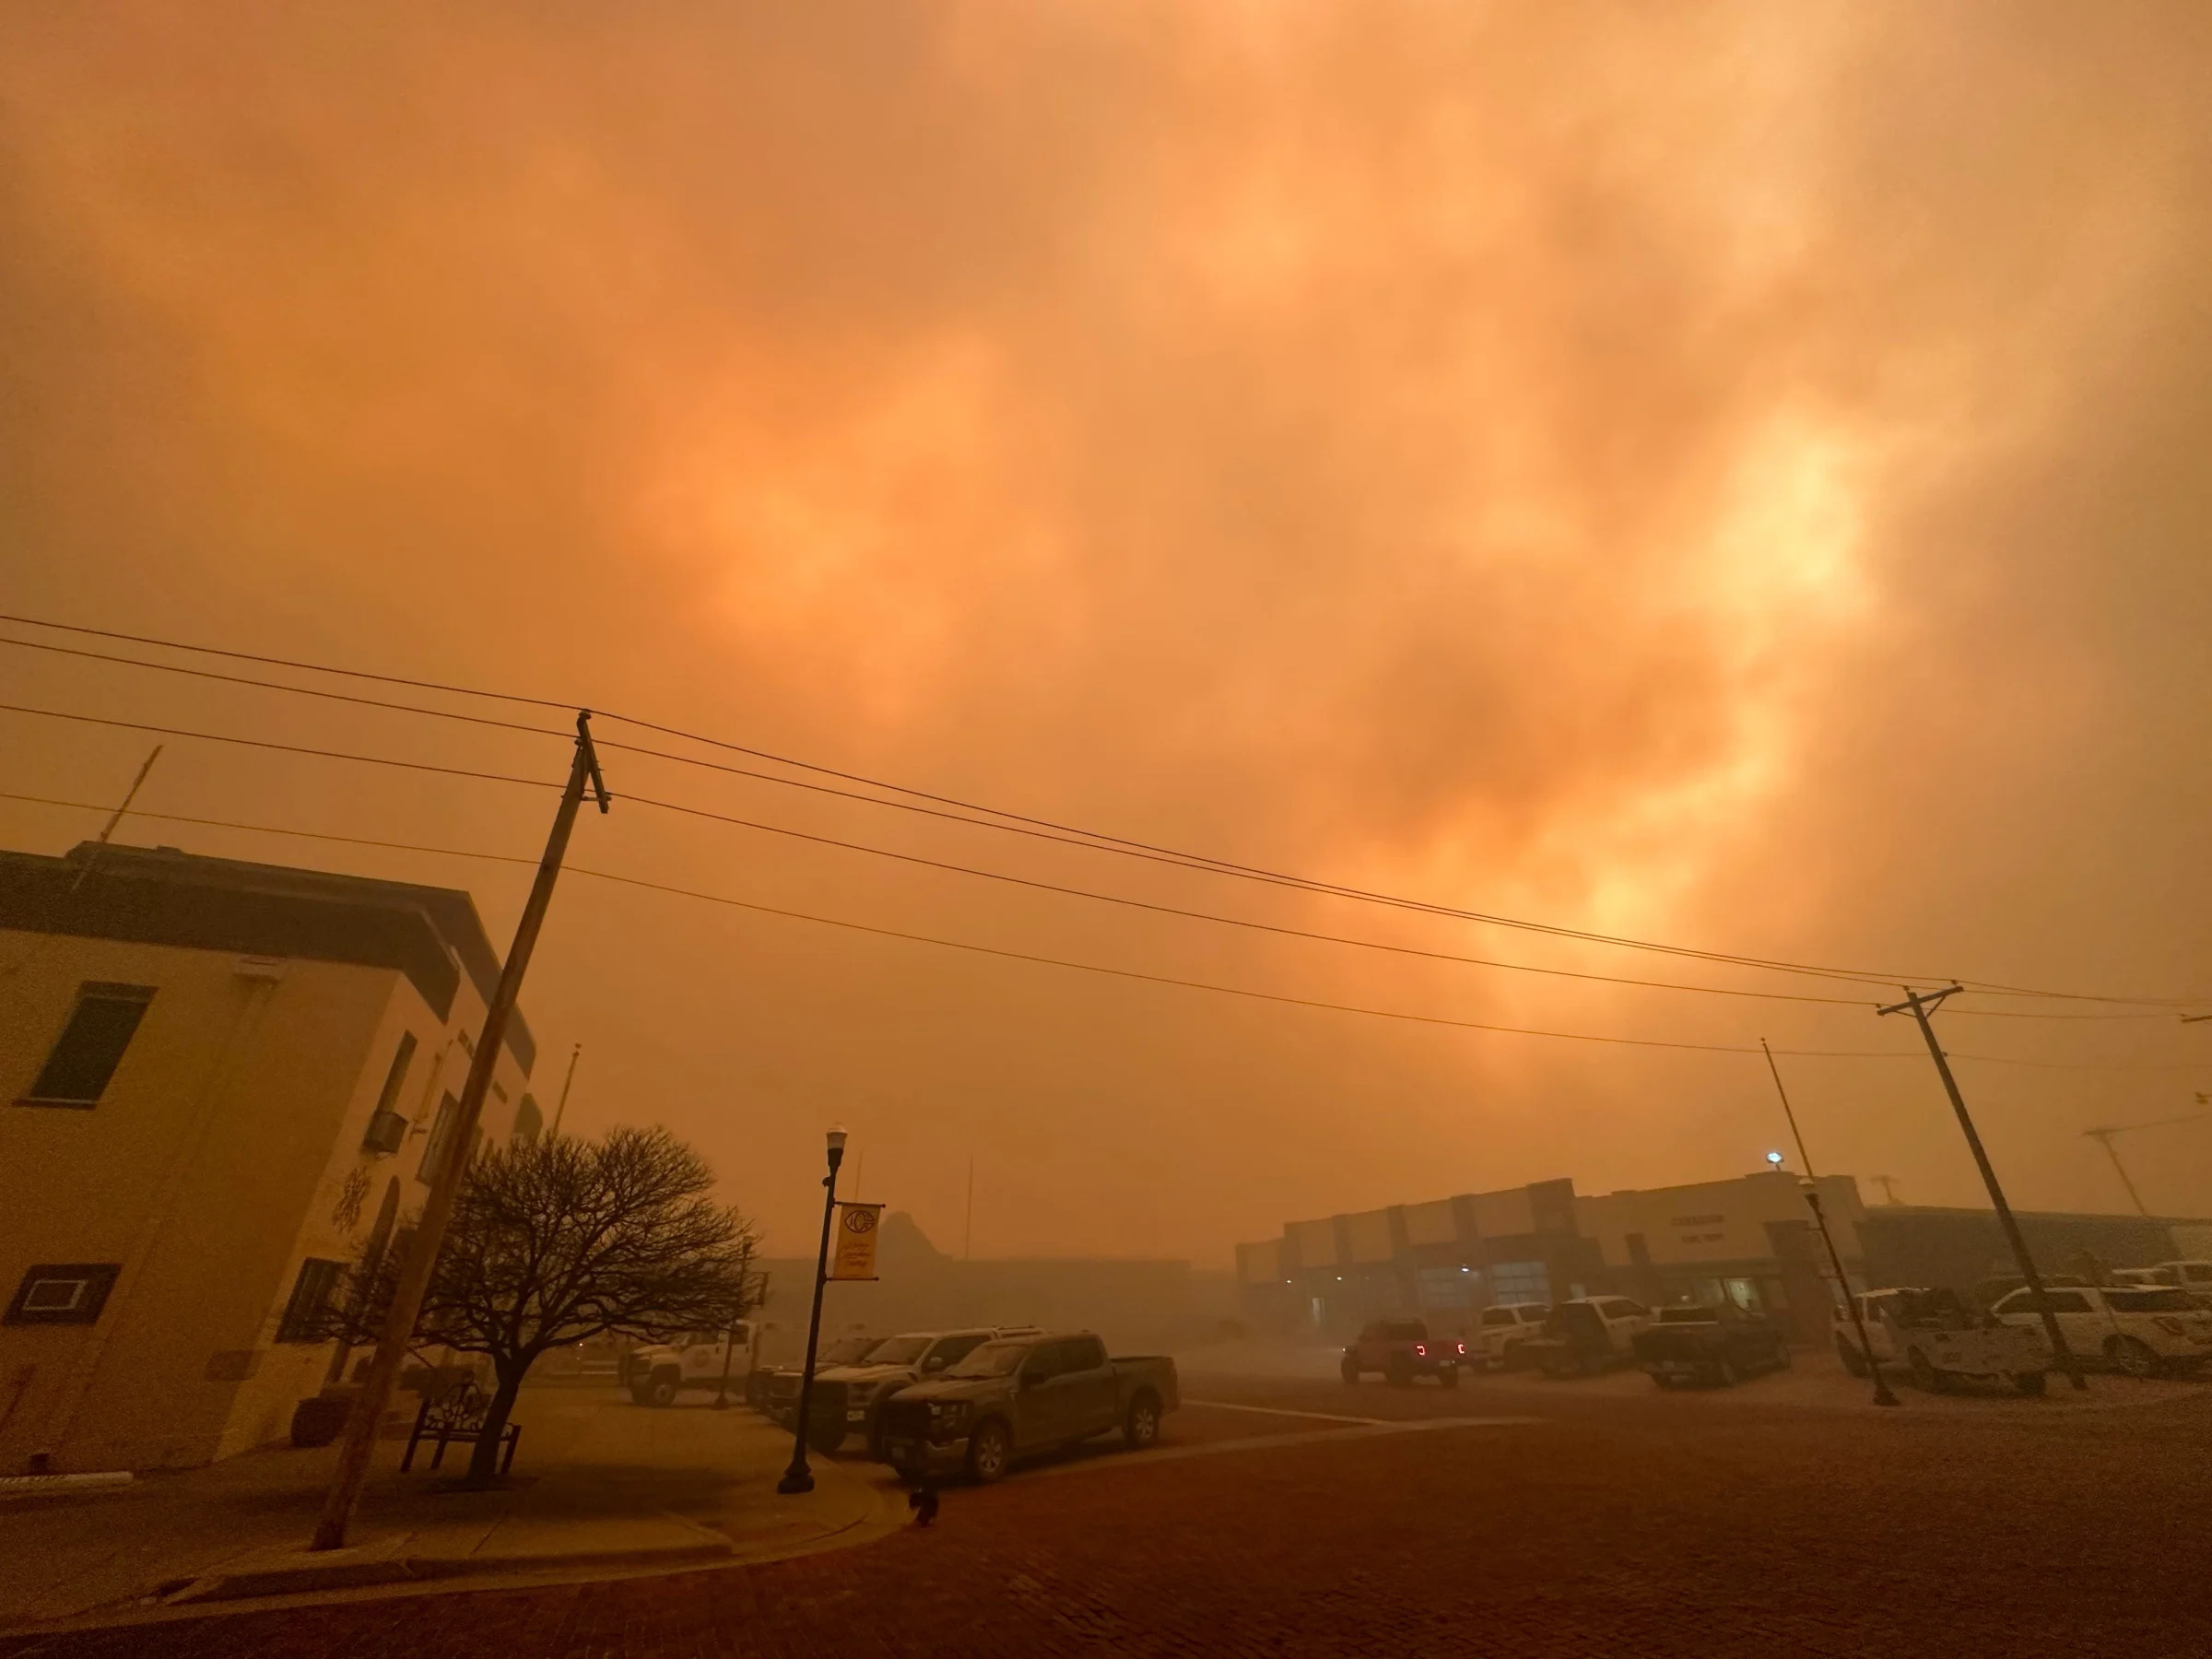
{"points": [[1931, 1335], [702, 1359]]}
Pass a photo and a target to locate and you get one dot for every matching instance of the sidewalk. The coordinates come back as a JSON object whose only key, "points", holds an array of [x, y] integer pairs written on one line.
{"points": [[601, 1489]]}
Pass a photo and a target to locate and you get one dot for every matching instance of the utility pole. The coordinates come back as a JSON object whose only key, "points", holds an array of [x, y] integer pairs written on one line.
{"points": [[2104, 1137], [1921, 1006], [360, 1441], [967, 1227], [1882, 1394], [568, 1083]]}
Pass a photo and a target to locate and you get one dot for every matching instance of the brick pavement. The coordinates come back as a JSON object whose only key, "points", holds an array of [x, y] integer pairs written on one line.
{"points": [[1625, 1525]]}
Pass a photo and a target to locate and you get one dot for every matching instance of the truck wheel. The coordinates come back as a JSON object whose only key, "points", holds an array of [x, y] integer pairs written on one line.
{"points": [[1351, 1368], [2132, 1356], [1140, 1430], [1449, 1376], [1724, 1372], [1854, 1361], [2028, 1382], [989, 1449], [1663, 1380], [660, 1390], [1924, 1372], [877, 1450]]}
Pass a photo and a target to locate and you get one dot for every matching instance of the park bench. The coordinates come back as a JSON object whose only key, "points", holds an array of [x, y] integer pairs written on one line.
{"points": [[457, 1415]]}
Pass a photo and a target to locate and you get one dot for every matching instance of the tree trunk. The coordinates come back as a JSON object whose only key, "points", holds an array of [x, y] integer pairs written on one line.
{"points": [[484, 1462]]}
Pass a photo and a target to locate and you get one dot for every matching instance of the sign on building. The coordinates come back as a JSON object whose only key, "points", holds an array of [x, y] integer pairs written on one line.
{"points": [[854, 1256]]}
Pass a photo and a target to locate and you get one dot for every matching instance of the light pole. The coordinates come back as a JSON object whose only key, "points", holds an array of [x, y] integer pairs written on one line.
{"points": [[799, 1477], [1882, 1394]]}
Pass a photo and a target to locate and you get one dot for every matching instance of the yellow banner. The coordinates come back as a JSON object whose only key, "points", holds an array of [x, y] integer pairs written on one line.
{"points": [[853, 1256]]}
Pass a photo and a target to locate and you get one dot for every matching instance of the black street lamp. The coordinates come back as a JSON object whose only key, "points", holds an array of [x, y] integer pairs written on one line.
{"points": [[799, 1477]]}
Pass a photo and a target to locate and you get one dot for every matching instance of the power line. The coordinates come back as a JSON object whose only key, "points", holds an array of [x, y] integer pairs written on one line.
{"points": [[359, 840], [966, 869], [1095, 841], [1016, 956], [283, 749]]}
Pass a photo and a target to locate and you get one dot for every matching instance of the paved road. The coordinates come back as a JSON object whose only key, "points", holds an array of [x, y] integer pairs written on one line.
{"points": [[1778, 1520]]}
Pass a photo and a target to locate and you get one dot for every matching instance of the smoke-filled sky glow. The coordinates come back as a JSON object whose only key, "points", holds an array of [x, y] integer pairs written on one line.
{"points": [[1730, 474]]}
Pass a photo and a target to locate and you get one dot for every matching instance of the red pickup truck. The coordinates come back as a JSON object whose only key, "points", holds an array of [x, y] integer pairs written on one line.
{"points": [[1402, 1349]]}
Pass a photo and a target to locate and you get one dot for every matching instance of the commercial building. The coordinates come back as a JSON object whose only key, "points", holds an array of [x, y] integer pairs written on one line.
{"points": [[219, 1083], [1751, 1238], [1918, 1244], [1134, 1302]]}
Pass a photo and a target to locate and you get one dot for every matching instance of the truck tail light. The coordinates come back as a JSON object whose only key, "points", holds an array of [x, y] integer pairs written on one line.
{"points": [[1421, 1348], [1461, 1346]]}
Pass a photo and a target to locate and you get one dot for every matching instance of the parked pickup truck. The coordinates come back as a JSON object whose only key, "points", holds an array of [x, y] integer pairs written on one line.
{"points": [[849, 1399], [1931, 1335], [1718, 1345], [1021, 1395], [778, 1394], [705, 1359], [1587, 1335]]}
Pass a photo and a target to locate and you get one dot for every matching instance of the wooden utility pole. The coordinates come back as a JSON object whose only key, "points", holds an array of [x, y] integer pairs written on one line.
{"points": [[445, 1182], [1920, 1008]]}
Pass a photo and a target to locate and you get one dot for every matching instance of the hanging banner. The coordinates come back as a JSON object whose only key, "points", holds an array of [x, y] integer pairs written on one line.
{"points": [[853, 1256]]}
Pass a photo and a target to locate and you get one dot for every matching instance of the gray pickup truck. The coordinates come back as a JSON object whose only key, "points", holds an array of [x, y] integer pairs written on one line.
{"points": [[1024, 1394]]}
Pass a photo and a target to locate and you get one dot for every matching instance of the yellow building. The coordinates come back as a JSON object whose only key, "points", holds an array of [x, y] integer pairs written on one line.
{"points": [[219, 1083]]}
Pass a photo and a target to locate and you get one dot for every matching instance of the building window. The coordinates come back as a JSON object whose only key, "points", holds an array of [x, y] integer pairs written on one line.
{"points": [[312, 1291], [91, 1045], [1520, 1282], [441, 1137], [66, 1293]]}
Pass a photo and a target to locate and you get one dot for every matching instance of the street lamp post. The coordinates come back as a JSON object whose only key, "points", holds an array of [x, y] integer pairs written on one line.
{"points": [[799, 1477]]}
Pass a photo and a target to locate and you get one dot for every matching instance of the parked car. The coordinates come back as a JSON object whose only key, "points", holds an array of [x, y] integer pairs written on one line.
{"points": [[1587, 1335], [1019, 1395], [779, 1396], [849, 1399], [1717, 1344], [2192, 1277], [655, 1374], [1934, 1334], [1402, 1349], [2138, 1278], [1498, 1339], [2139, 1332]]}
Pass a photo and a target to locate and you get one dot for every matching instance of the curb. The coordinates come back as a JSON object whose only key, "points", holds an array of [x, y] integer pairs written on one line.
{"points": [[404, 1570]]}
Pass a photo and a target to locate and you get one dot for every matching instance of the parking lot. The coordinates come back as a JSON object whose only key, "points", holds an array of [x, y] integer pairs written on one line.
{"points": [[1289, 1514]]}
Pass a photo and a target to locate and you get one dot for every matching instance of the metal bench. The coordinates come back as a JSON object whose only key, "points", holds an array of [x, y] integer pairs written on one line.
{"points": [[457, 1415]]}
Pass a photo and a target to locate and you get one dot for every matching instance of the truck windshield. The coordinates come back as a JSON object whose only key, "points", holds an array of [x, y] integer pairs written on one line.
{"points": [[993, 1359], [899, 1351], [847, 1351], [1689, 1315]]}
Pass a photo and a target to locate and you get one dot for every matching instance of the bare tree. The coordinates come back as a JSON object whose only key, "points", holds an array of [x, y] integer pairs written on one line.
{"points": [[560, 1240]]}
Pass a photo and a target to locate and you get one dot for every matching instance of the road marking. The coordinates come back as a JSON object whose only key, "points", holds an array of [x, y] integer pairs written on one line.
{"points": [[1325, 1417], [1267, 1442]]}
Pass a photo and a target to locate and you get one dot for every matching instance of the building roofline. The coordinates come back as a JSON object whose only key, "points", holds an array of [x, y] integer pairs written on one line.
{"points": [[165, 896]]}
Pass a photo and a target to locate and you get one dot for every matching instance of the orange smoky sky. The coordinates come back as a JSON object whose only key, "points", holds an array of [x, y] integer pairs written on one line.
{"points": [[1732, 474]]}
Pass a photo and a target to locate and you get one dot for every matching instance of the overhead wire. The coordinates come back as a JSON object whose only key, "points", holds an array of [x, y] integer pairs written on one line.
{"points": [[1001, 952], [1003, 877], [1018, 823]]}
